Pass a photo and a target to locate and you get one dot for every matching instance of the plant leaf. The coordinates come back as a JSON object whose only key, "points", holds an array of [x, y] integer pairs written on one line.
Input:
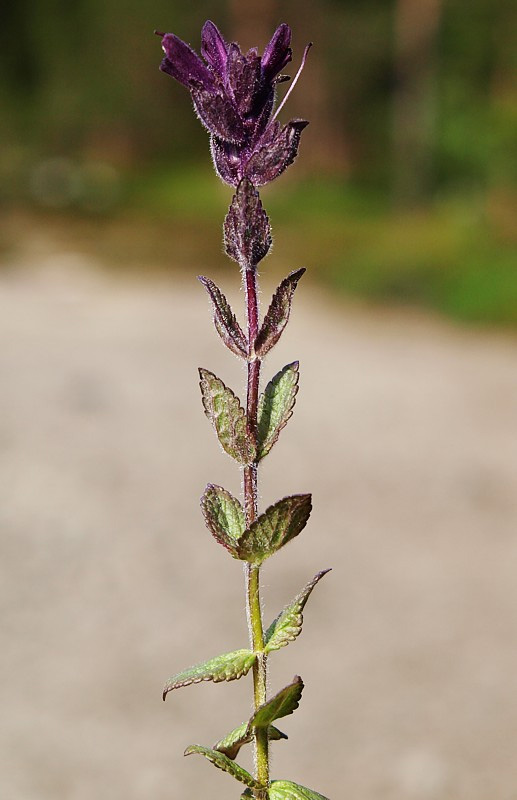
{"points": [[232, 743], [227, 667], [276, 407], [224, 763], [288, 625], [285, 790], [224, 517], [281, 705], [247, 233], [277, 316], [226, 414], [225, 321], [278, 525]]}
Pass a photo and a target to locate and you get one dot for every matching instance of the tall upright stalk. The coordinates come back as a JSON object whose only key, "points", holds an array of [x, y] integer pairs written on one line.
{"points": [[234, 96], [252, 571]]}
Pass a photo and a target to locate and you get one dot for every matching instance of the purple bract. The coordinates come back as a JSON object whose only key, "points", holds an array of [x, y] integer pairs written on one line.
{"points": [[234, 95]]}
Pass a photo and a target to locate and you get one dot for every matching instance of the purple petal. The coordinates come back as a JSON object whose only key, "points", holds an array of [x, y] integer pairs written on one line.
{"points": [[218, 115], [214, 48], [278, 53], [183, 64], [243, 78], [227, 161], [276, 153]]}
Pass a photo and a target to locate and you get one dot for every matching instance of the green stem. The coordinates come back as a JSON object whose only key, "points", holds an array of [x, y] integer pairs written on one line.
{"points": [[255, 625]]}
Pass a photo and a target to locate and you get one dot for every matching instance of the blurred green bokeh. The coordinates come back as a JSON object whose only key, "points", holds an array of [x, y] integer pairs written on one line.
{"points": [[406, 187]]}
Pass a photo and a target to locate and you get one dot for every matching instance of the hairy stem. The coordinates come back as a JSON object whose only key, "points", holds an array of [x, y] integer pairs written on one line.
{"points": [[250, 506]]}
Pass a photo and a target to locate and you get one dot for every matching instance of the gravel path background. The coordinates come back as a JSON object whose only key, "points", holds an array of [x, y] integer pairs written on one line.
{"points": [[405, 431]]}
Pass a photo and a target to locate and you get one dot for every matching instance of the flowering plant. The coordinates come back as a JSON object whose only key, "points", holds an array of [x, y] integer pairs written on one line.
{"points": [[234, 97]]}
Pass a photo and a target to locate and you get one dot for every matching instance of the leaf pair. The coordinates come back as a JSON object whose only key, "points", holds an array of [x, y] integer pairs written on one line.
{"points": [[232, 666], [272, 327], [281, 705], [226, 414], [279, 524], [223, 753]]}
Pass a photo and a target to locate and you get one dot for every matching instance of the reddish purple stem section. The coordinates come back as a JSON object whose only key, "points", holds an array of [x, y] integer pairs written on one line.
{"points": [[250, 472]]}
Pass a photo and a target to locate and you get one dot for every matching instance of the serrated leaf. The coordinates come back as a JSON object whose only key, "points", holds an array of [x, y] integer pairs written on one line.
{"points": [[232, 743], [247, 233], [286, 790], [288, 625], [276, 407], [281, 705], [279, 524], [224, 517], [226, 414], [227, 667], [225, 321], [277, 315], [223, 762]]}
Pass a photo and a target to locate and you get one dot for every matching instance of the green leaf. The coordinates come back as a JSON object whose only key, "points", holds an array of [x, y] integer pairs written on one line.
{"points": [[285, 790], [288, 625], [224, 763], [225, 321], [228, 667], [232, 743], [224, 411], [276, 407], [247, 233], [277, 316], [224, 517], [281, 705], [278, 525]]}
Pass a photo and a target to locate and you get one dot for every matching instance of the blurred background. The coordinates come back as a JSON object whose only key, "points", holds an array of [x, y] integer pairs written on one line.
{"points": [[406, 186], [402, 205]]}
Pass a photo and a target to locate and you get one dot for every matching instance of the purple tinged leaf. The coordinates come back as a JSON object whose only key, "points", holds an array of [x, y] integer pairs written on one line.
{"points": [[184, 64], [276, 407], [281, 705], [213, 47], [218, 115], [224, 517], [227, 667], [277, 316], [277, 53], [247, 233], [288, 625], [227, 765], [279, 524], [286, 790], [225, 322], [274, 156], [232, 742], [226, 414]]}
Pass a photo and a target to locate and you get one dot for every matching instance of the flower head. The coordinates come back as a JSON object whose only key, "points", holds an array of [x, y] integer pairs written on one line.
{"points": [[234, 95]]}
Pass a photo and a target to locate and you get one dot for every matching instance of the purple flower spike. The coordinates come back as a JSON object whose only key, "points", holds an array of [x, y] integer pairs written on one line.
{"points": [[234, 95]]}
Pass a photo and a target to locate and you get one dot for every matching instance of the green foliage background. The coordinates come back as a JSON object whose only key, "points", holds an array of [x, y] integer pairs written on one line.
{"points": [[406, 188]]}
